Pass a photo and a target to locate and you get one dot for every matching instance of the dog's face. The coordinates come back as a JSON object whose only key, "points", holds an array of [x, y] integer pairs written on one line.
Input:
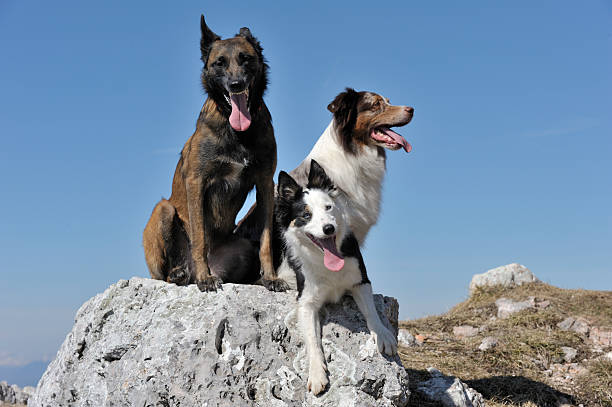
{"points": [[234, 74], [366, 119], [311, 215]]}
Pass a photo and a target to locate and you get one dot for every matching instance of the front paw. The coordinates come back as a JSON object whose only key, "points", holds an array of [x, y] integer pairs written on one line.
{"points": [[317, 378], [277, 284], [210, 283], [179, 276], [385, 340]]}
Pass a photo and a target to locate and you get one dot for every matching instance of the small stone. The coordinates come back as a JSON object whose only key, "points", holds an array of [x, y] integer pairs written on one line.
{"points": [[465, 331], [579, 325], [507, 307], [566, 324], [405, 338], [569, 354], [608, 356], [420, 339], [488, 343], [450, 391], [601, 336], [434, 372], [543, 304]]}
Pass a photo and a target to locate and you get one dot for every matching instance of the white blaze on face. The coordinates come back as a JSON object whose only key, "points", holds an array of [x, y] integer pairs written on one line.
{"points": [[325, 213]]}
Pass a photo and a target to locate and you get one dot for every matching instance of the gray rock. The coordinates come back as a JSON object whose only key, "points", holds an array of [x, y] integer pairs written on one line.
{"points": [[569, 354], [488, 343], [579, 325], [465, 331], [405, 338], [506, 276], [450, 391], [148, 343], [13, 394], [507, 307]]}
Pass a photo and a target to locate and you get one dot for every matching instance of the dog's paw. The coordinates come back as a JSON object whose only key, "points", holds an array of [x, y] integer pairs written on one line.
{"points": [[179, 276], [211, 283], [277, 284], [317, 378], [385, 340]]}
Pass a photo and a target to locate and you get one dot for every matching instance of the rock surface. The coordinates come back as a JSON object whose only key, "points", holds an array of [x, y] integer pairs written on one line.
{"points": [[507, 307], [450, 391], [148, 343], [465, 331], [506, 276], [13, 394], [405, 338], [488, 343]]}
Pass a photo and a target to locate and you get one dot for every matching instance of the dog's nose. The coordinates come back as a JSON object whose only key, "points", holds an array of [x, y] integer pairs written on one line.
{"points": [[409, 110], [236, 86], [329, 229]]}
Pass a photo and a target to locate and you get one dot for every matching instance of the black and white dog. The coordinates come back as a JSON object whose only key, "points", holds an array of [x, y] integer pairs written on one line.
{"points": [[324, 254]]}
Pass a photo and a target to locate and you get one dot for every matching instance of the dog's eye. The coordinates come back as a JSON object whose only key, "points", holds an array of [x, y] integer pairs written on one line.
{"points": [[307, 215], [376, 105], [244, 58], [328, 207], [219, 62]]}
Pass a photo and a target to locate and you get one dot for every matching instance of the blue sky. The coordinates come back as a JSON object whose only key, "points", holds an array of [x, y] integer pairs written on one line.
{"points": [[511, 139]]}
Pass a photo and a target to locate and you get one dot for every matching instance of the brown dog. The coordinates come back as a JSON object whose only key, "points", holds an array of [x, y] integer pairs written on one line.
{"points": [[189, 237]]}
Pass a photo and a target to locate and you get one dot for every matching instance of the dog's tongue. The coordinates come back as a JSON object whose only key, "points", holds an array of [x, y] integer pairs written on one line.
{"points": [[332, 259], [397, 138], [240, 119]]}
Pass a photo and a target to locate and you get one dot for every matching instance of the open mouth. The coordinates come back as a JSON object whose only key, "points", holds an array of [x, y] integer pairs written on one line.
{"points": [[332, 258], [389, 139], [240, 118]]}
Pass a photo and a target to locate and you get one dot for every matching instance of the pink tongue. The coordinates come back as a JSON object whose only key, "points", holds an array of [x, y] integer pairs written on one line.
{"points": [[331, 258], [240, 119], [332, 261], [397, 138]]}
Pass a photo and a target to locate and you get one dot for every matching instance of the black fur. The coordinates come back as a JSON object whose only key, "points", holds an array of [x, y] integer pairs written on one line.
{"points": [[296, 266], [344, 108], [317, 178], [350, 248]]}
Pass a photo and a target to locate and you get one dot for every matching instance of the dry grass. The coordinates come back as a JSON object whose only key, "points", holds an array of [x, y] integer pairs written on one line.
{"points": [[514, 372]]}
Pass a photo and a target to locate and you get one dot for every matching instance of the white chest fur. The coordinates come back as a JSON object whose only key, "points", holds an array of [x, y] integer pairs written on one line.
{"points": [[358, 176]]}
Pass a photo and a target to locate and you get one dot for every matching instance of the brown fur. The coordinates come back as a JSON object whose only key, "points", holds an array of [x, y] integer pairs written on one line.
{"points": [[189, 237]]}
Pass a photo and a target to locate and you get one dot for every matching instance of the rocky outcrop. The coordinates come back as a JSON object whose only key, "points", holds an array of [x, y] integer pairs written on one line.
{"points": [[506, 276], [12, 394], [147, 343]]}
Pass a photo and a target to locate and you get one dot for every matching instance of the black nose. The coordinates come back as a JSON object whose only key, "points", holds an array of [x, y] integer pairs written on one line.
{"points": [[236, 86], [329, 229], [409, 109]]}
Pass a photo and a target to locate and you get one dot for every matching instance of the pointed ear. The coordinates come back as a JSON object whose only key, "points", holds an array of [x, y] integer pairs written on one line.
{"points": [[344, 108], [317, 178], [245, 32], [287, 187], [208, 37]]}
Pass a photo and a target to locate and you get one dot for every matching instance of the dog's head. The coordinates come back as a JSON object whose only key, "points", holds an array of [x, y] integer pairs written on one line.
{"points": [[311, 215], [234, 74], [366, 119]]}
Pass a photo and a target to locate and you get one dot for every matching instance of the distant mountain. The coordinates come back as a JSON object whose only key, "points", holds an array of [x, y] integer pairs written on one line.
{"points": [[26, 375]]}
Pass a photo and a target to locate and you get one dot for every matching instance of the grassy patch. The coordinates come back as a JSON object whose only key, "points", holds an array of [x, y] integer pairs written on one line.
{"points": [[520, 370]]}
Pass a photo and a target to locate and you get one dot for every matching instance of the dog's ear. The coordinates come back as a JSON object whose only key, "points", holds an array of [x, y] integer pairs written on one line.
{"points": [[287, 187], [245, 32], [208, 37], [344, 108], [317, 177]]}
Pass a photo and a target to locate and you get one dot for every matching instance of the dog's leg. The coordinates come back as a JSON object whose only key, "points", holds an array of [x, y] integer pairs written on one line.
{"points": [[385, 340], [265, 198], [310, 327], [198, 235], [157, 238]]}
